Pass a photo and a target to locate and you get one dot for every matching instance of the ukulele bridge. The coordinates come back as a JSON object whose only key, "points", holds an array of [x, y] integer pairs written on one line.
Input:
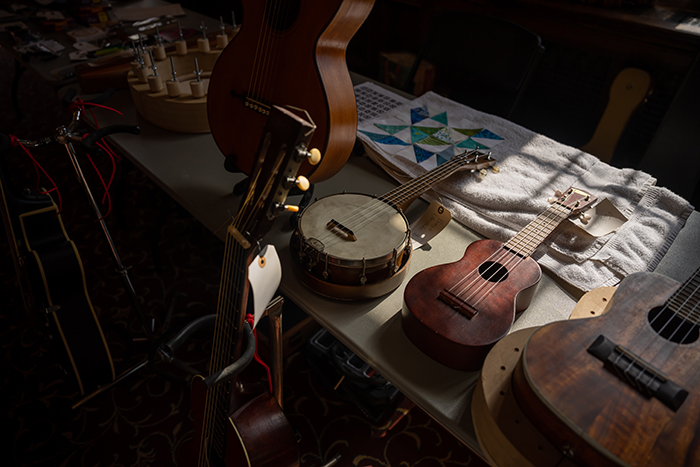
{"points": [[639, 374], [456, 303]]}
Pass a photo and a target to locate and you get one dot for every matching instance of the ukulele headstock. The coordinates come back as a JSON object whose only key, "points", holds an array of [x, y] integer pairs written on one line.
{"points": [[573, 199]]}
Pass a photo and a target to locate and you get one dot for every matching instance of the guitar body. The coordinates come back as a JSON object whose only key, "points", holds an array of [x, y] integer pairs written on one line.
{"points": [[252, 427], [448, 335], [589, 412], [294, 56], [52, 280]]}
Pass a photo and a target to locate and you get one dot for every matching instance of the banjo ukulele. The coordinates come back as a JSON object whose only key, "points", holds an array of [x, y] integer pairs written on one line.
{"points": [[353, 246]]}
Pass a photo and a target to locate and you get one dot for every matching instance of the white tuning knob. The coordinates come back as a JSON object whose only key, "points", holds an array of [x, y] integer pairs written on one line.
{"points": [[585, 218], [302, 183], [314, 156], [558, 193], [551, 200]]}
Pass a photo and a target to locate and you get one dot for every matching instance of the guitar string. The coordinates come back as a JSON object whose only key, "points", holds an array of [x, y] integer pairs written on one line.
{"points": [[213, 396], [503, 265], [274, 19], [367, 213], [252, 85]]}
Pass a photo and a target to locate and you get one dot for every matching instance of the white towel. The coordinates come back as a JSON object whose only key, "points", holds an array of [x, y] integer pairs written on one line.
{"points": [[532, 168]]}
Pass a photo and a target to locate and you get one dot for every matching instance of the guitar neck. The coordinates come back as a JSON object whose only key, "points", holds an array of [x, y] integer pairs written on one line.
{"points": [[227, 342]]}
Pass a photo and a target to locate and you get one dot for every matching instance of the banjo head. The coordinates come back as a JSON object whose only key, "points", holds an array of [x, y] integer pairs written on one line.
{"points": [[350, 228]]}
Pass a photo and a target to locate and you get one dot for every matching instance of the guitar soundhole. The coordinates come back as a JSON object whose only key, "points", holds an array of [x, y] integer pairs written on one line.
{"points": [[493, 272], [281, 15], [670, 325]]}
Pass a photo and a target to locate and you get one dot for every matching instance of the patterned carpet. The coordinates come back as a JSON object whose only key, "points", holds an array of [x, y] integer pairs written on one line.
{"points": [[146, 418]]}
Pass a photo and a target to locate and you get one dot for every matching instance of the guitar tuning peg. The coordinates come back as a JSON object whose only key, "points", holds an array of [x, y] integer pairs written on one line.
{"points": [[551, 200], [287, 207], [585, 218], [302, 183], [495, 169], [313, 156], [482, 174], [558, 193]]}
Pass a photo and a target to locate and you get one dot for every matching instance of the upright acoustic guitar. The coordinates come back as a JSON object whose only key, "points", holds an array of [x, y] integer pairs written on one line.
{"points": [[622, 388], [455, 312], [288, 52], [235, 426]]}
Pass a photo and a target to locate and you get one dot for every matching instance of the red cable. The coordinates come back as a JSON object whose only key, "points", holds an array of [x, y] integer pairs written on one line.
{"points": [[15, 142], [251, 319]]}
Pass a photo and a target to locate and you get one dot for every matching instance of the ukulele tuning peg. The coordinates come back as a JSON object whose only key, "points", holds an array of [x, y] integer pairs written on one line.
{"points": [[585, 218], [551, 200], [495, 169], [558, 193], [482, 174]]}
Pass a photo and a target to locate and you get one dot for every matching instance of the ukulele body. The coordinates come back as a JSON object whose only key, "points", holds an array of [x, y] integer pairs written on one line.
{"points": [[587, 410], [257, 433], [450, 336], [296, 59]]}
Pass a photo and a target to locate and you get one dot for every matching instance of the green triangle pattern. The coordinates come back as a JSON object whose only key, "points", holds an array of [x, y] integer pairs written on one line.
{"points": [[391, 129]]}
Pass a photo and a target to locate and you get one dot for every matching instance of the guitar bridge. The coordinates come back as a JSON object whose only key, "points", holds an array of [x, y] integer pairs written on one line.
{"points": [[646, 379], [257, 106], [457, 303]]}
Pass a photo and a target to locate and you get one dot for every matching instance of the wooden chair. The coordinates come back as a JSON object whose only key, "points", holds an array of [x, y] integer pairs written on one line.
{"points": [[481, 61]]}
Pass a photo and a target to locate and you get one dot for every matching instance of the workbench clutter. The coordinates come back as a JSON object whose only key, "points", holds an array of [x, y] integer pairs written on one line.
{"points": [[169, 87]]}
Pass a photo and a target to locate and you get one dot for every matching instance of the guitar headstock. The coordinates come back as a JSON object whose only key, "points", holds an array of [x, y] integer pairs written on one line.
{"points": [[573, 199], [282, 149]]}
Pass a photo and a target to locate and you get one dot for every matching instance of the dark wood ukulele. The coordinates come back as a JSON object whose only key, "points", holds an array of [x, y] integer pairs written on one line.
{"points": [[289, 52], [455, 312], [622, 388], [234, 425]]}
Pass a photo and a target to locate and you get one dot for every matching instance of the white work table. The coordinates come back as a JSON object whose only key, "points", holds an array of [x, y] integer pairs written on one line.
{"points": [[190, 168]]}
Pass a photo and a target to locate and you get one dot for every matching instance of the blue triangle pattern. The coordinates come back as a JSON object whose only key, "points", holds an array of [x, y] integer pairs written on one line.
{"points": [[384, 139], [419, 113], [442, 118], [391, 129], [421, 154], [486, 134], [470, 144]]}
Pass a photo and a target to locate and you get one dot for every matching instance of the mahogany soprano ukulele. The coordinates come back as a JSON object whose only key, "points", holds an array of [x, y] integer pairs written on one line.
{"points": [[233, 426], [455, 312]]}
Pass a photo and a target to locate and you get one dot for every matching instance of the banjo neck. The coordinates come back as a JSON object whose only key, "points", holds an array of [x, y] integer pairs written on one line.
{"points": [[403, 195]]}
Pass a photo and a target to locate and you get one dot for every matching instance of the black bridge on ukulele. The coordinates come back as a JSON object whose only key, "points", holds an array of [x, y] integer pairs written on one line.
{"points": [[646, 379]]}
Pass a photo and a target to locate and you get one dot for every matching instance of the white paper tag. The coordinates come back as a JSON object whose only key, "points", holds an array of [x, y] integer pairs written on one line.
{"points": [[264, 275], [431, 223], [604, 218]]}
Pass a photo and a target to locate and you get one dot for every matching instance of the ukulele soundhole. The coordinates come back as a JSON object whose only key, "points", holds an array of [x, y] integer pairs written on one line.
{"points": [[672, 326], [493, 272], [281, 15]]}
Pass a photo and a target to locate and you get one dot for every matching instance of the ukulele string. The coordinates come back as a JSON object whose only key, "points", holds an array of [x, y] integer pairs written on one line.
{"points": [[363, 215], [529, 240], [678, 305]]}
